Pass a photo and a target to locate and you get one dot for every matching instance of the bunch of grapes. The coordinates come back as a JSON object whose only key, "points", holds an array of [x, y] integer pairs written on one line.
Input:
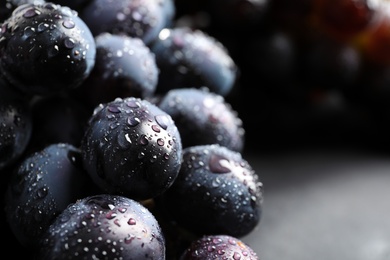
{"points": [[123, 123], [117, 140]]}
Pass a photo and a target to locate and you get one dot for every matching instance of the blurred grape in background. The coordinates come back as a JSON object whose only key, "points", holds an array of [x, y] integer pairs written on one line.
{"points": [[316, 72]]}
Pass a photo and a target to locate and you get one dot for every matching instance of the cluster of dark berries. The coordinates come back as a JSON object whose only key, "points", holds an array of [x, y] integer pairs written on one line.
{"points": [[117, 140]]}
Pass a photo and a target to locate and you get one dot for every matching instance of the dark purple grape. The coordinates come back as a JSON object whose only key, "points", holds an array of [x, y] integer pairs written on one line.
{"points": [[219, 247], [15, 124], [291, 16], [45, 48], [191, 58], [203, 117], [8, 6], [57, 119], [344, 19], [136, 18], [104, 227], [133, 148], [124, 67], [371, 89], [42, 185], [330, 64], [215, 192], [271, 57]]}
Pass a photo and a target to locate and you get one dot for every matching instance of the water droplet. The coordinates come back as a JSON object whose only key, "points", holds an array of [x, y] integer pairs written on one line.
{"points": [[216, 182], [29, 31], [69, 24], [122, 210], [160, 142], [232, 241], [133, 104], [42, 192], [64, 218], [218, 164], [113, 125], [124, 141], [53, 51], [131, 221], [153, 159], [133, 121], [69, 43], [31, 12], [210, 248], [17, 120], [141, 155], [42, 27], [163, 121], [143, 140], [50, 6], [111, 215], [129, 239], [156, 128], [113, 109], [220, 252]]}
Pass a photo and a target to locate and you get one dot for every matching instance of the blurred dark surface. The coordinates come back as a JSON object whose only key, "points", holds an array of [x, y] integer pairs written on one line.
{"points": [[323, 204]]}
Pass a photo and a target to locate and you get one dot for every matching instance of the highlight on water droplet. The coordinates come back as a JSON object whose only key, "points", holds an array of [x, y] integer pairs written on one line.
{"points": [[131, 221], [69, 43], [219, 164], [31, 12], [133, 121], [68, 24], [113, 109], [133, 104], [162, 121], [143, 140]]}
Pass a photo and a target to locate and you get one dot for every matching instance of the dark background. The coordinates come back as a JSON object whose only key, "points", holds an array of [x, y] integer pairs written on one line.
{"points": [[323, 204]]}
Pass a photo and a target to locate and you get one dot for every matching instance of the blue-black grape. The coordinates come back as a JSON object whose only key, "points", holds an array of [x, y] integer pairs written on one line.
{"points": [[143, 19], [192, 58], [104, 227], [45, 49], [15, 124], [41, 186], [124, 67], [210, 247], [204, 117], [215, 192], [8, 6], [133, 148]]}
